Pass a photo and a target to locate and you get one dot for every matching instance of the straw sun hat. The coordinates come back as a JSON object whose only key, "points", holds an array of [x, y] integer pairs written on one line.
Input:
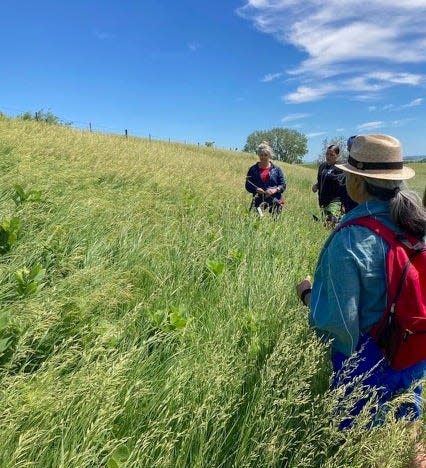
{"points": [[377, 156]]}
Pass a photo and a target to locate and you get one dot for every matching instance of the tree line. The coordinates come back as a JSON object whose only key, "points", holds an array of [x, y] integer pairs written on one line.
{"points": [[291, 146]]}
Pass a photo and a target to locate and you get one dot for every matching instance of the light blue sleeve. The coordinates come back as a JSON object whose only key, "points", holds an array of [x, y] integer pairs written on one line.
{"points": [[348, 293]]}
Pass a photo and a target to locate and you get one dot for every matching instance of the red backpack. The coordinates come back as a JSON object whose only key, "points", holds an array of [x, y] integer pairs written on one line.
{"points": [[401, 332]]}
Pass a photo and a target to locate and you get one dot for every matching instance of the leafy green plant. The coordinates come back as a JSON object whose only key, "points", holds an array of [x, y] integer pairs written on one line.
{"points": [[9, 231], [215, 267], [21, 196], [29, 281], [119, 457], [171, 319], [4, 341]]}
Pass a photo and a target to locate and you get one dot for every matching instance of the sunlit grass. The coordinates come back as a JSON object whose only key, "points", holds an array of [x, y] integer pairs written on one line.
{"points": [[167, 331]]}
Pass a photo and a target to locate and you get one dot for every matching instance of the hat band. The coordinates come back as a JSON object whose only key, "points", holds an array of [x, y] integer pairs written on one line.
{"points": [[374, 165]]}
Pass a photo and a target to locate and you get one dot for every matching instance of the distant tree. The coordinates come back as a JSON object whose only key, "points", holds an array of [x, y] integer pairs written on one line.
{"points": [[340, 141], [288, 145], [209, 143], [42, 116]]}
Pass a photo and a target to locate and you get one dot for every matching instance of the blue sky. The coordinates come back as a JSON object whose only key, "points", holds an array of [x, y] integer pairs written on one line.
{"points": [[198, 71]]}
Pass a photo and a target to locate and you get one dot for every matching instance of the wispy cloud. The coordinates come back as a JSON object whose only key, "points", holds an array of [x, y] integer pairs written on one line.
{"points": [[400, 123], [307, 93], [414, 102], [371, 125], [315, 134], [292, 117], [271, 77], [368, 126], [341, 42]]}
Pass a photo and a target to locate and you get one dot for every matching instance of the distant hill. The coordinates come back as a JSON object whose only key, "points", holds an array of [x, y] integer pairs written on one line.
{"points": [[415, 158]]}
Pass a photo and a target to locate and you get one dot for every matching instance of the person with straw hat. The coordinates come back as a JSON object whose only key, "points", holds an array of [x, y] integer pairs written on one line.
{"points": [[345, 311]]}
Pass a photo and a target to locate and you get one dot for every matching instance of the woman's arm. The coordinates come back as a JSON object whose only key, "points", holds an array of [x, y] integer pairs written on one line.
{"points": [[251, 185]]}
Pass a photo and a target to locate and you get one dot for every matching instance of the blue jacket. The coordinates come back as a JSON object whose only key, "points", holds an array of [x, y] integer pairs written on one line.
{"points": [[276, 179], [349, 288]]}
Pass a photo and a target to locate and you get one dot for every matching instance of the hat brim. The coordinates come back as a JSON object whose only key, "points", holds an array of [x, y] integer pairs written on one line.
{"points": [[400, 174]]}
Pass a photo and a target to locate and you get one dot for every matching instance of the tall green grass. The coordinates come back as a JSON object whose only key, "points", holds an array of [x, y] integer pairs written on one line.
{"points": [[167, 331]]}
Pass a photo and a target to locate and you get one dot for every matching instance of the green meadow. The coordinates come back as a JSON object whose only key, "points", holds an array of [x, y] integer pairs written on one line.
{"points": [[147, 320]]}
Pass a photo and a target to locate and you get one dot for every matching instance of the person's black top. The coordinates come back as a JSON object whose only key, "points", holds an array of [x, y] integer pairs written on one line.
{"points": [[329, 187], [347, 201]]}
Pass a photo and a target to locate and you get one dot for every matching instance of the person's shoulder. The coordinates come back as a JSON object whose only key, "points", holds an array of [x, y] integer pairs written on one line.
{"points": [[358, 239], [254, 167]]}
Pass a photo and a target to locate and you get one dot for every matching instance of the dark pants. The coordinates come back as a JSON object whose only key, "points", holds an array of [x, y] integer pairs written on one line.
{"points": [[273, 204]]}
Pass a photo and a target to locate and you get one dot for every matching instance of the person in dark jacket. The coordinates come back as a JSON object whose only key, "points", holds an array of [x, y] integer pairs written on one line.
{"points": [[329, 187], [347, 202], [266, 181]]}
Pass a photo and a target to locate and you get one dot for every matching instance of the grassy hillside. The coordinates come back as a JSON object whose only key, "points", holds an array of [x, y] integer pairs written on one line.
{"points": [[147, 320]]}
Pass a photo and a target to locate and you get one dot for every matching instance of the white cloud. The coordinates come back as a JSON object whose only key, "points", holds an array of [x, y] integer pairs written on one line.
{"points": [[365, 97], [315, 134], [341, 39], [291, 117], [270, 77], [414, 102], [306, 93], [368, 126], [371, 125], [372, 108]]}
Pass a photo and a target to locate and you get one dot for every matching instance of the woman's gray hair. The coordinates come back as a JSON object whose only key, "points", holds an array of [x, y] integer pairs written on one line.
{"points": [[265, 148], [406, 207]]}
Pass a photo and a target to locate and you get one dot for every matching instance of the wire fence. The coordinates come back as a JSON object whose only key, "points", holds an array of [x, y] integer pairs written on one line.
{"points": [[102, 128]]}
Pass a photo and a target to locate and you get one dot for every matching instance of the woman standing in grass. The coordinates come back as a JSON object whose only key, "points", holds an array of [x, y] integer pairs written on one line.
{"points": [[266, 181], [348, 295], [328, 186]]}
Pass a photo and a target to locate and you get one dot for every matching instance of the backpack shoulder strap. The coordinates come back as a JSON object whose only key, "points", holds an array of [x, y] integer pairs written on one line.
{"points": [[374, 225], [391, 237]]}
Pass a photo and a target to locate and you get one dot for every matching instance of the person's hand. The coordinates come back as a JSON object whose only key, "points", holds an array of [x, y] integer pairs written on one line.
{"points": [[271, 191], [260, 190], [315, 188], [303, 285]]}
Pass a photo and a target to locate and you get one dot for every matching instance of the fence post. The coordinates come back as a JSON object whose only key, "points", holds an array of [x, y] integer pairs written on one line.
{"points": [[149, 137], [125, 132], [90, 126], [36, 115]]}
